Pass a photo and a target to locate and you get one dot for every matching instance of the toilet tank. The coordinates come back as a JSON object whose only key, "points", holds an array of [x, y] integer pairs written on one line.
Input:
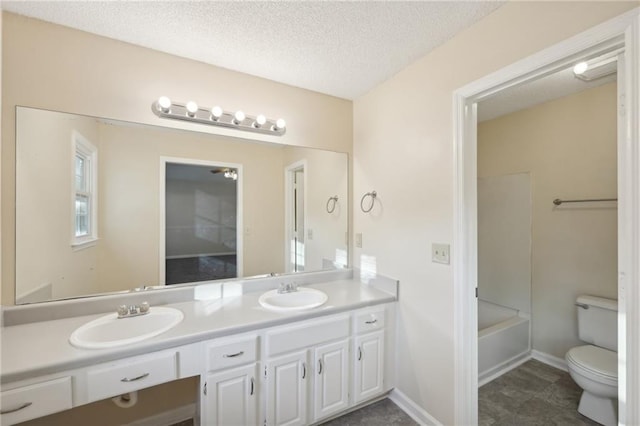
{"points": [[598, 324]]}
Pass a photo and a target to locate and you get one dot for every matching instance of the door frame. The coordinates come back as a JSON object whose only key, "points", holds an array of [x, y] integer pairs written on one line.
{"points": [[288, 203], [622, 31], [162, 210]]}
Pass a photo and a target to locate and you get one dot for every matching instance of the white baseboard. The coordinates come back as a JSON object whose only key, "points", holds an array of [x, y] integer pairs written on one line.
{"points": [[167, 418], [503, 368], [551, 360], [414, 411]]}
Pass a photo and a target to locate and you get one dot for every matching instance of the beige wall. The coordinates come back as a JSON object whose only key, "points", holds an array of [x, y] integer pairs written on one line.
{"points": [[569, 147], [325, 176], [504, 241], [403, 149], [44, 227], [53, 67]]}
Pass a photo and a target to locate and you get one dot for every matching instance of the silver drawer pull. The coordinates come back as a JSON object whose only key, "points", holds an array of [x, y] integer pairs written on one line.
{"points": [[251, 393], [233, 355], [13, 410], [359, 354], [582, 305], [371, 322], [127, 380]]}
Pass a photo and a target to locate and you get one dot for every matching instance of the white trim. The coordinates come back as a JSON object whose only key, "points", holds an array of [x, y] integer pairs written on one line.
{"points": [[622, 31], [300, 164], [80, 144], [504, 368], [417, 413], [168, 418], [162, 277], [551, 360]]}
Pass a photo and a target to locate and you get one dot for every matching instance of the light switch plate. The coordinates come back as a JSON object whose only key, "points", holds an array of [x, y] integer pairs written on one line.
{"points": [[359, 240], [440, 253]]}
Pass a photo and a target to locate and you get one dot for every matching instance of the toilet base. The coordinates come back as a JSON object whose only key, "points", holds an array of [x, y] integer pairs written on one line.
{"points": [[601, 410]]}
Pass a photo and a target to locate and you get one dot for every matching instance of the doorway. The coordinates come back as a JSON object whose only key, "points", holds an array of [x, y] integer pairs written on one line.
{"points": [[295, 216], [620, 33], [200, 235]]}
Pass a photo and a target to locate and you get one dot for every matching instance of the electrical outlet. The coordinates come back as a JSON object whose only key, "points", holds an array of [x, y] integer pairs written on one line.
{"points": [[440, 253], [359, 240]]}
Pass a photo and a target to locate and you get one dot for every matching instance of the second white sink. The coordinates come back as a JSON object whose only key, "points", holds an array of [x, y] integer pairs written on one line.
{"points": [[109, 331], [303, 298]]}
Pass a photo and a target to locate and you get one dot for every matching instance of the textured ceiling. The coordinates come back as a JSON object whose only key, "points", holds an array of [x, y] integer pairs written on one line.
{"points": [[339, 48]]}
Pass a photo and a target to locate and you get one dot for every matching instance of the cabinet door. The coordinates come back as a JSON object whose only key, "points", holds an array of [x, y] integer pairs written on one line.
{"points": [[287, 390], [231, 397], [369, 366], [331, 379]]}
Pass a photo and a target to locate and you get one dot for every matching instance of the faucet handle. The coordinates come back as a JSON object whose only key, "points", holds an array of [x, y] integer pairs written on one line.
{"points": [[144, 307], [123, 310]]}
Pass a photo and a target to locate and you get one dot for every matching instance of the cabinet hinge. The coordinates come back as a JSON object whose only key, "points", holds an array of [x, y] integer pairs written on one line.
{"points": [[265, 375], [205, 389], [476, 292]]}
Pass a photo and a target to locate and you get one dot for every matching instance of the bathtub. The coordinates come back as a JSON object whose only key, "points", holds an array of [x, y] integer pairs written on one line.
{"points": [[503, 340]]}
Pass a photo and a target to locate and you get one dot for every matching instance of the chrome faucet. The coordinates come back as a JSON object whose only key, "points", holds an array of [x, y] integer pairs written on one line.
{"points": [[125, 311], [287, 288]]}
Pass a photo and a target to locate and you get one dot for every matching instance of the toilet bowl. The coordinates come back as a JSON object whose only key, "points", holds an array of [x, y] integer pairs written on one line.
{"points": [[595, 367]]}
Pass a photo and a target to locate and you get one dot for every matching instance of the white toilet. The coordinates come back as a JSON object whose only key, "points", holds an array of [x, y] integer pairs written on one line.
{"points": [[594, 367]]}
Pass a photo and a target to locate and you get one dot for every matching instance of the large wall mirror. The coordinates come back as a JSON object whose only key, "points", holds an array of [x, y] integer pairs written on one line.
{"points": [[105, 206]]}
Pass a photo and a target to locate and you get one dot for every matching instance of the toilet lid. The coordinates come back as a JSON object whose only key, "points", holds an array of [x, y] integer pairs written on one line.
{"points": [[597, 361]]}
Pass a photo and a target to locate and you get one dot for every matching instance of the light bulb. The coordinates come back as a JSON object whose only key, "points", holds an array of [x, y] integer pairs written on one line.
{"points": [[238, 117], [580, 68], [216, 113], [192, 108], [260, 120], [280, 124], [164, 103]]}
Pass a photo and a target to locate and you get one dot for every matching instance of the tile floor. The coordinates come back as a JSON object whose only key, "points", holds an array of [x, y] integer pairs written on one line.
{"points": [[532, 394], [381, 413]]}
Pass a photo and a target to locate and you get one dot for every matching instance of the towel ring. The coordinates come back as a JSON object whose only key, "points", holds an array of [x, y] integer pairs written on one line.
{"points": [[373, 195], [332, 206]]}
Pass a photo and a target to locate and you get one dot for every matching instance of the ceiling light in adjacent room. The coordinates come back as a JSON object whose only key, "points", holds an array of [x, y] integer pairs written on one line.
{"points": [[580, 68]]}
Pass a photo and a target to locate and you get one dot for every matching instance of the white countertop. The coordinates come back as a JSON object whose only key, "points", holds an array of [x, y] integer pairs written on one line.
{"points": [[39, 348]]}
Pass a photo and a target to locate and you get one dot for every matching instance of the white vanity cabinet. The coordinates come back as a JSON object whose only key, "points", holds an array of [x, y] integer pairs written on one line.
{"points": [[286, 381], [294, 384], [35, 400], [368, 355], [230, 392], [331, 381]]}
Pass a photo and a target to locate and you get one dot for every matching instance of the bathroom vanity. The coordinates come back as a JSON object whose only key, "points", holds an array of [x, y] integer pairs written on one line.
{"points": [[256, 366]]}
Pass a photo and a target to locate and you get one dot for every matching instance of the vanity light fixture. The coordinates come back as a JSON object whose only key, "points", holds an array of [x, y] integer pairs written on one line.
{"points": [[165, 108], [260, 121], [164, 104], [216, 113], [192, 108]]}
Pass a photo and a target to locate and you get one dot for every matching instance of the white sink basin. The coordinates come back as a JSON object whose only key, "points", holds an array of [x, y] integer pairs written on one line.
{"points": [[109, 331], [303, 298]]}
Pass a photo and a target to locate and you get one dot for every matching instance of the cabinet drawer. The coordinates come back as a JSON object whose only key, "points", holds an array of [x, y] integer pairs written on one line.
{"points": [[229, 353], [40, 399], [289, 338], [131, 374], [369, 320]]}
